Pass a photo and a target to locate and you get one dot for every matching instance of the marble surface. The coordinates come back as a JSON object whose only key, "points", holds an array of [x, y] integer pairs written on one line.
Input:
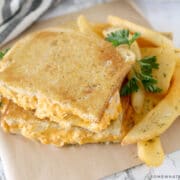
{"points": [[170, 169], [164, 16]]}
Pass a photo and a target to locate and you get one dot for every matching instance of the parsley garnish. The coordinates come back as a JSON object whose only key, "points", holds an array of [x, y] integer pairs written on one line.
{"points": [[2, 53], [130, 87], [145, 77], [122, 37], [146, 65]]}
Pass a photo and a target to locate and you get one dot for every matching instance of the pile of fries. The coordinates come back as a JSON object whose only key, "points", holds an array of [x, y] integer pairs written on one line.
{"points": [[152, 113]]}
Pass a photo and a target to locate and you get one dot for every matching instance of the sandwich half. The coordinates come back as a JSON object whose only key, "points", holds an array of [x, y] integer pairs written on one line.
{"points": [[65, 76], [16, 120]]}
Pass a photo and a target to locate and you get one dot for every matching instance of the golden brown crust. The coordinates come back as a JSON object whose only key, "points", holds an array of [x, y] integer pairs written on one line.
{"points": [[111, 113], [128, 113], [67, 69], [19, 121]]}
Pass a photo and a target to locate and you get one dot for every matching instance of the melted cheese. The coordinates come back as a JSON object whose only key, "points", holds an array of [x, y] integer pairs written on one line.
{"points": [[54, 112], [59, 137], [20, 121]]}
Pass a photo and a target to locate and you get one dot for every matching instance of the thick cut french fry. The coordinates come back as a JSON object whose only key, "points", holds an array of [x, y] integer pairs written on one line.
{"points": [[86, 28], [178, 59], [151, 152], [99, 28], [166, 59], [143, 147], [177, 50], [137, 100], [84, 25], [149, 36], [144, 43], [169, 35], [159, 118]]}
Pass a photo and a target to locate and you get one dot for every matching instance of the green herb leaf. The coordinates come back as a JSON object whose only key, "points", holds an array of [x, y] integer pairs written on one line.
{"points": [[135, 36], [2, 53], [147, 64], [149, 83], [118, 37], [121, 37], [152, 88], [130, 87]]}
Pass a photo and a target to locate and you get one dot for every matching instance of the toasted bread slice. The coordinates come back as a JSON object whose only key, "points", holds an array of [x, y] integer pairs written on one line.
{"points": [[15, 119], [58, 72]]}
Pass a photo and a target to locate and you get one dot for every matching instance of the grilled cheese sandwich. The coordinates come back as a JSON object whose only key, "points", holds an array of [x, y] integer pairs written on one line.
{"points": [[54, 77], [16, 120]]}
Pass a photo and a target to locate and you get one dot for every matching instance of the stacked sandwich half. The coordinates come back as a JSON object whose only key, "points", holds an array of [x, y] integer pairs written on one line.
{"points": [[61, 86]]}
